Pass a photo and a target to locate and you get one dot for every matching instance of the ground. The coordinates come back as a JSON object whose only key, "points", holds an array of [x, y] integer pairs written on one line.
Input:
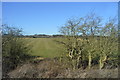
{"points": [[50, 68]]}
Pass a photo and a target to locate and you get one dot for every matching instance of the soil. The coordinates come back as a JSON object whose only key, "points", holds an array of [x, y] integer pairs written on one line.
{"points": [[49, 68]]}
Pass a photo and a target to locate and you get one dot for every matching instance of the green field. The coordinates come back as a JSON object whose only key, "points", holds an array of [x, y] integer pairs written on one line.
{"points": [[45, 47]]}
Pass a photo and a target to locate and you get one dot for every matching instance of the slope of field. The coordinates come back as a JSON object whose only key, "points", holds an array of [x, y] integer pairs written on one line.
{"points": [[45, 47]]}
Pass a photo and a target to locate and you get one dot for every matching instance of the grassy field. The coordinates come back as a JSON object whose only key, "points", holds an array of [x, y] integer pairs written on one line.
{"points": [[45, 47]]}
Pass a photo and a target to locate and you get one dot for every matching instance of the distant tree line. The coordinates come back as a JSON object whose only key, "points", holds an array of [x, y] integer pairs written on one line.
{"points": [[41, 36]]}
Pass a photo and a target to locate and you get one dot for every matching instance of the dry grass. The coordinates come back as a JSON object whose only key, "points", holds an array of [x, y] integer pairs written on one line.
{"points": [[51, 68]]}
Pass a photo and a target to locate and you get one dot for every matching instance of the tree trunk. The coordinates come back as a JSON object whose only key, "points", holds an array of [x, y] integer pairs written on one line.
{"points": [[74, 64], [78, 61], [102, 61], [71, 54], [90, 60]]}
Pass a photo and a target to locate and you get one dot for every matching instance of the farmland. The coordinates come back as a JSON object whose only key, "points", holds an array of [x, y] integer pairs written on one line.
{"points": [[45, 47]]}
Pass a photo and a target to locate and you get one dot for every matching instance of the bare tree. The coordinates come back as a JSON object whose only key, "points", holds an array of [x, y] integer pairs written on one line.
{"points": [[97, 40], [109, 41]]}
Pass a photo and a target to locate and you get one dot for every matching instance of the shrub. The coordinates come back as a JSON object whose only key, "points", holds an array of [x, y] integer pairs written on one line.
{"points": [[14, 48]]}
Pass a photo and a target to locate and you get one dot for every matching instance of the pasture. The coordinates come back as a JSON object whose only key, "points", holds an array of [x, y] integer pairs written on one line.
{"points": [[45, 47]]}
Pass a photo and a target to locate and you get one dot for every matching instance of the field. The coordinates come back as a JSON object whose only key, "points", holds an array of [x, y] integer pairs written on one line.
{"points": [[45, 47], [47, 66]]}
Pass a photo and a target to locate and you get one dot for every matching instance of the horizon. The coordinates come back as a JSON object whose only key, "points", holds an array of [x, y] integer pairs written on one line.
{"points": [[48, 17]]}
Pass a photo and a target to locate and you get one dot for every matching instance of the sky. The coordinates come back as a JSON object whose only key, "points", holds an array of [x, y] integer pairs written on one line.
{"points": [[48, 17]]}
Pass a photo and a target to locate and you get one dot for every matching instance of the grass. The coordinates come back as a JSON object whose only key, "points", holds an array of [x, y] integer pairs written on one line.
{"points": [[45, 47]]}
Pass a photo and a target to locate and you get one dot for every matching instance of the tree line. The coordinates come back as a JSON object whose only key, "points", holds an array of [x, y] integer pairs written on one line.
{"points": [[98, 44]]}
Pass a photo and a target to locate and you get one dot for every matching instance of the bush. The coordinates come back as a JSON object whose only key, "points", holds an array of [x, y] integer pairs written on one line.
{"points": [[14, 48]]}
